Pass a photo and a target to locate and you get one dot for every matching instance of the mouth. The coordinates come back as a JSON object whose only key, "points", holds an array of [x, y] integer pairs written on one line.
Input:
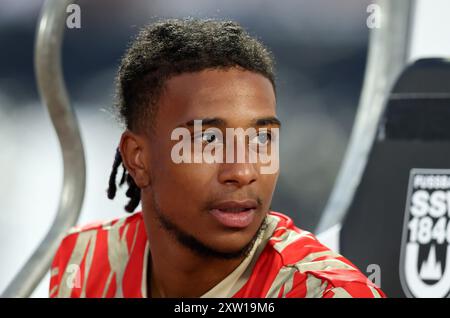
{"points": [[234, 214]]}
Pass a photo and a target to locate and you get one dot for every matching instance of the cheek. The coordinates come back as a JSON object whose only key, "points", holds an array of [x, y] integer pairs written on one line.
{"points": [[183, 186], [182, 177], [268, 182], [189, 178]]}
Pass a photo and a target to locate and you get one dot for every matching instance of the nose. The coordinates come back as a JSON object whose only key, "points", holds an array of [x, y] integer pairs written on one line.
{"points": [[238, 174]]}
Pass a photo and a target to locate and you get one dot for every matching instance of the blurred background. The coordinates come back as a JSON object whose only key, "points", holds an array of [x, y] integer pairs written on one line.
{"points": [[320, 48]]}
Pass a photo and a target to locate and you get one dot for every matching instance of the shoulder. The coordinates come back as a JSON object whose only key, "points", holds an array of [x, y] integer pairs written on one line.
{"points": [[82, 246], [301, 266], [99, 227]]}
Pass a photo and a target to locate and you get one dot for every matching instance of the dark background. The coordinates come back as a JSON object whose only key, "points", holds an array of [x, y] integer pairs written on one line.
{"points": [[320, 48]]}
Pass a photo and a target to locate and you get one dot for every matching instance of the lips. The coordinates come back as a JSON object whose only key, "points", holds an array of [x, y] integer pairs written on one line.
{"points": [[234, 214]]}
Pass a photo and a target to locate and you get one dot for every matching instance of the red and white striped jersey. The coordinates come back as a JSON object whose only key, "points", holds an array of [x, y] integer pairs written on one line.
{"points": [[110, 260]]}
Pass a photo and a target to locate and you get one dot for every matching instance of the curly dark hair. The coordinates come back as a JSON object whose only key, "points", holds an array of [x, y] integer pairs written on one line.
{"points": [[167, 48]]}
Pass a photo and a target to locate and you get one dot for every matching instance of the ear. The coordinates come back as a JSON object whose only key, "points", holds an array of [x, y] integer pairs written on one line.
{"points": [[135, 156]]}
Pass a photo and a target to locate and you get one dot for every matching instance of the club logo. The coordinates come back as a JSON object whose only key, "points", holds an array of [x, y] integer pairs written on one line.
{"points": [[425, 251]]}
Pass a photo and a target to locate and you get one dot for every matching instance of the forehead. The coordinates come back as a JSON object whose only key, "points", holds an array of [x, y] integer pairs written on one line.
{"points": [[236, 95]]}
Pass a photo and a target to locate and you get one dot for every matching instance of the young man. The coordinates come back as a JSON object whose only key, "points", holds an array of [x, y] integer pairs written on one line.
{"points": [[206, 229]]}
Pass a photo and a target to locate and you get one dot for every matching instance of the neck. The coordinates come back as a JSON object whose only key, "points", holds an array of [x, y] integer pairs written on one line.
{"points": [[176, 271]]}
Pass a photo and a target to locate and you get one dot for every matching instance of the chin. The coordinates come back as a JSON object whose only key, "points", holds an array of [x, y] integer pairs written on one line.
{"points": [[232, 242]]}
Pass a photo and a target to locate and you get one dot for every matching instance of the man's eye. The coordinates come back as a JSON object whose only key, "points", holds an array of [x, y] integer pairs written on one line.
{"points": [[209, 137], [263, 138]]}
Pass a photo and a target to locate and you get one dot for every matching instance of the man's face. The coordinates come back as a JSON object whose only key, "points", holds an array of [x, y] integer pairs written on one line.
{"points": [[220, 205]]}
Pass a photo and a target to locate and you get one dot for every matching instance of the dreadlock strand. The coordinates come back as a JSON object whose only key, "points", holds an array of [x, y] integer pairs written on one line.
{"points": [[124, 175], [134, 193], [112, 188]]}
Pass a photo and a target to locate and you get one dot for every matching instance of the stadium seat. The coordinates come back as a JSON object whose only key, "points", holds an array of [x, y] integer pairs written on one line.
{"points": [[399, 216]]}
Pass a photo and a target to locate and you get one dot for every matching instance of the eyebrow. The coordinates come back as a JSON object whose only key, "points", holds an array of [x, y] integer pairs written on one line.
{"points": [[207, 122], [266, 121], [215, 121]]}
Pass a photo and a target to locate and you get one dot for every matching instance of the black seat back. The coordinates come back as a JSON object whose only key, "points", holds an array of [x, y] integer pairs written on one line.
{"points": [[399, 217]]}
